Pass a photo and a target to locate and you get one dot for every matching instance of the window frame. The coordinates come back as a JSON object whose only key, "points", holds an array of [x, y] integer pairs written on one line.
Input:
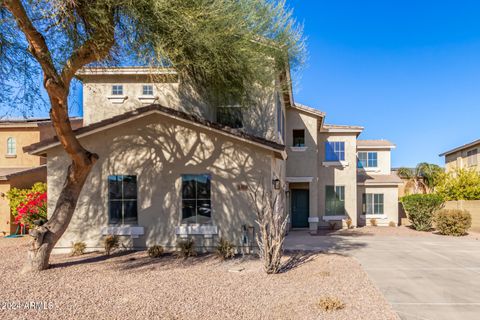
{"points": [[233, 116], [371, 202], [338, 201], [370, 161], [11, 146], [302, 136], [150, 92], [197, 199], [123, 200], [334, 151], [115, 91], [472, 157]]}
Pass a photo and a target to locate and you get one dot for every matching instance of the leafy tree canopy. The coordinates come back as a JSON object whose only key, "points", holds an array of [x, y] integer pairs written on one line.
{"points": [[221, 46]]}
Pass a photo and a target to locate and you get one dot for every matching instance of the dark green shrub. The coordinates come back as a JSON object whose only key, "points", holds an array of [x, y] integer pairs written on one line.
{"points": [[453, 222], [225, 249], [186, 248], [420, 209], [155, 251], [111, 243]]}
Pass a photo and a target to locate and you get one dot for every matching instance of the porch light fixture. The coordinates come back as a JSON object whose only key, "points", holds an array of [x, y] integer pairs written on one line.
{"points": [[276, 184]]}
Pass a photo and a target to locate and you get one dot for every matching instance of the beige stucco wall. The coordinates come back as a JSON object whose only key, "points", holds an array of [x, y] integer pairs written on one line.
{"points": [[23, 137], [158, 150], [390, 202], [258, 119], [472, 206], [338, 176], [5, 217], [303, 162], [459, 159], [383, 160]]}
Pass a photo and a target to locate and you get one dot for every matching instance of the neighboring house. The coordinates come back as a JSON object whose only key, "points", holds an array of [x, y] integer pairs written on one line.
{"points": [[463, 157], [170, 166], [17, 168]]}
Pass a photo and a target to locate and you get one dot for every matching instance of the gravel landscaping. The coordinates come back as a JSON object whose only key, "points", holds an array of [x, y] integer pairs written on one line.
{"points": [[391, 231], [131, 285]]}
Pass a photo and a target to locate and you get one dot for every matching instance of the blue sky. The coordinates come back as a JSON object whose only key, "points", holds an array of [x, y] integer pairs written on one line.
{"points": [[408, 71]]}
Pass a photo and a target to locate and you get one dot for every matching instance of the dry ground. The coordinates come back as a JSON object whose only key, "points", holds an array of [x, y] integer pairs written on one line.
{"points": [[134, 286], [392, 231]]}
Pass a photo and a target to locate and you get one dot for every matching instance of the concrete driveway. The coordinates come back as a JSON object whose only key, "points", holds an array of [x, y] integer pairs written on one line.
{"points": [[431, 277]]}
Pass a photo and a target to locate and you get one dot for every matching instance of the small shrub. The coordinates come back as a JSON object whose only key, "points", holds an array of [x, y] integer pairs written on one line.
{"points": [[155, 251], [331, 304], [111, 243], [349, 223], [392, 224], [332, 225], [186, 248], [79, 248], [225, 249], [453, 222], [420, 209], [373, 222]]}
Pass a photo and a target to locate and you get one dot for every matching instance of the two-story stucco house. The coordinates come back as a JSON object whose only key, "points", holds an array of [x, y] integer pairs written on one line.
{"points": [[172, 166], [19, 169], [466, 156]]}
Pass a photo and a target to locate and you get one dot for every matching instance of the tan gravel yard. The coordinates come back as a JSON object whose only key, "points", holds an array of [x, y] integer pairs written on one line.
{"points": [[134, 286]]}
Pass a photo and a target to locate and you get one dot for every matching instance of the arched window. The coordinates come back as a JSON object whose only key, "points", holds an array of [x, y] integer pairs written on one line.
{"points": [[11, 146]]}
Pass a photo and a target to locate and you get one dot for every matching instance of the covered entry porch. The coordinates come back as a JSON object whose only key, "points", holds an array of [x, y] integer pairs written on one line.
{"points": [[302, 205]]}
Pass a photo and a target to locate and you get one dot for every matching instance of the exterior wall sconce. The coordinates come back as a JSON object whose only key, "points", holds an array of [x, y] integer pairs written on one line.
{"points": [[276, 184]]}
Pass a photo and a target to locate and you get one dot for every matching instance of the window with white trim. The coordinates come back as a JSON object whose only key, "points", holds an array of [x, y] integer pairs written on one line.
{"points": [[334, 200], [11, 146], [147, 90], [368, 159], [334, 151], [117, 90], [196, 198], [122, 200], [373, 203], [472, 157], [299, 138]]}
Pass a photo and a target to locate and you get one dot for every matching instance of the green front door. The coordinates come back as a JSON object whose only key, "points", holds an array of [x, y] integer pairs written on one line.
{"points": [[300, 208]]}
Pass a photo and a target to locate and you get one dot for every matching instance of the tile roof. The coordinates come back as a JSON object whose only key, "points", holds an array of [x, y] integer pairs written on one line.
{"points": [[165, 111], [465, 146], [308, 109], [375, 143], [378, 179], [7, 173]]}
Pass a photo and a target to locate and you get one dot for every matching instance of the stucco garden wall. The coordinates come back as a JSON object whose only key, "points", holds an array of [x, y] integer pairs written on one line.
{"points": [[472, 206], [158, 150]]}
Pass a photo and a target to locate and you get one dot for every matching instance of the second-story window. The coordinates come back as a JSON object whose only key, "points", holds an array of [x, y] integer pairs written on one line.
{"points": [[230, 116], [117, 90], [472, 157], [299, 138], [147, 90], [334, 151], [367, 159], [11, 146]]}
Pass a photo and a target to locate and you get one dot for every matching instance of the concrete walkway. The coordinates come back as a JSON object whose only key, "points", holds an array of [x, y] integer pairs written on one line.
{"points": [[431, 277]]}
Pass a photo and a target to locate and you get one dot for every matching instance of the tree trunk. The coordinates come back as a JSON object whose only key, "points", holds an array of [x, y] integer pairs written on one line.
{"points": [[46, 236]]}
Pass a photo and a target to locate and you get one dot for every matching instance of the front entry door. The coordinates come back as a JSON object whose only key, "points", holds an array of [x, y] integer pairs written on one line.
{"points": [[300, 208]]}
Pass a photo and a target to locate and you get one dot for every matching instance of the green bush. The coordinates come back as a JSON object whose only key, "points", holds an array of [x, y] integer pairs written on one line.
{"points": [[453, 222], [225, 249], [420, 209], [17, 196], [155, 251], [463, 184], [186, 248]]}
